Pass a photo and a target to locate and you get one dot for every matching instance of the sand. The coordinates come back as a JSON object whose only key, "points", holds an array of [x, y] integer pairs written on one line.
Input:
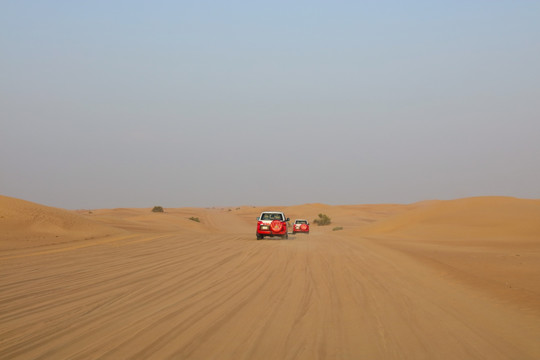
{"points": [[453, 279]]}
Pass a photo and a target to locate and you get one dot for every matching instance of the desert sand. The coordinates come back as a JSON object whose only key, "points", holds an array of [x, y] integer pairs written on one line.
{"points": [[456, 279]]}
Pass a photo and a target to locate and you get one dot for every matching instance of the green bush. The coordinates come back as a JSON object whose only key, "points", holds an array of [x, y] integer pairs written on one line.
{"points": [[193, 218], [157, 209], [337, 228], [322, 220]]}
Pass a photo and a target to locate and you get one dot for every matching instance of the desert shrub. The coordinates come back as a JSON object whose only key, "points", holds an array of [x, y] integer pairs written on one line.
{"points": [[322, 220], [337, 228], [157, 209], [193, 218]]}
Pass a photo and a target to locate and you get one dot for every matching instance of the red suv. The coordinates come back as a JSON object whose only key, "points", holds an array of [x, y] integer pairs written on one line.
{"points": [[300, 226], [272, 223]]}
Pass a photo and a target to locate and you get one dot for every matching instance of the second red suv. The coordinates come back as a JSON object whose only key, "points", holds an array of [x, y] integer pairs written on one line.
{"points": [[300, 226]]}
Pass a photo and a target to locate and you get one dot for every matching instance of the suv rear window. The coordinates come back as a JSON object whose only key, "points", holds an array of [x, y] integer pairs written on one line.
{"points": [[267, 216]]}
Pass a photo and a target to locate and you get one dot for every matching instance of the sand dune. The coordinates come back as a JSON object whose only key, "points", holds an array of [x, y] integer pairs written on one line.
{"points": [[488, 243], [433, 280], [27, 224], [488, 218]]}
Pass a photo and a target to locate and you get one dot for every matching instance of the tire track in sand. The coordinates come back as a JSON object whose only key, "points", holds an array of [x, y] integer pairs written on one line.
{"points": [[322, 296]]}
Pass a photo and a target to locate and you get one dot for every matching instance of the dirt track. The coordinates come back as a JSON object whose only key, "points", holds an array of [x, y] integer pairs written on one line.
{"points": [[209, 294]]}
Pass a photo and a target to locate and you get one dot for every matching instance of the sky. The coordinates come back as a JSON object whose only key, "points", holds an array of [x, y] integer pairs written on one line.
{"points": [[107, 104]]}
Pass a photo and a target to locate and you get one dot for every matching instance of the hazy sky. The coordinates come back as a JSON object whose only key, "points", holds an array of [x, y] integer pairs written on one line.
{"points": [[220, 103]]}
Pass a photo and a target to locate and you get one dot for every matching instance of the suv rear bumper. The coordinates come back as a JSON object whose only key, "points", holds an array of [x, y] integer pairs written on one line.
{"points": [[271, 233]]}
